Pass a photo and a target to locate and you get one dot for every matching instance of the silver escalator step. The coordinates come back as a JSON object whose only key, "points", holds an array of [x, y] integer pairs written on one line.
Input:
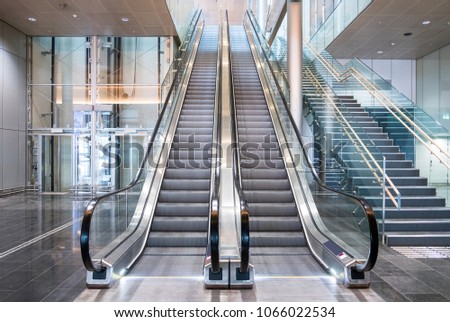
{"points": [[271, 209], [275, 223], [277, 239], [194, 223], [264, 174], [266, 196], [190, 174], [177, 239], [182, 209], [266, 184], [185, 184], [184, 196]]}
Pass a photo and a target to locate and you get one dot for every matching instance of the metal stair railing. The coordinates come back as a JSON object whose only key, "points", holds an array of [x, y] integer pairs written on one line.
{"points": [[362, 148], [392, 108]]}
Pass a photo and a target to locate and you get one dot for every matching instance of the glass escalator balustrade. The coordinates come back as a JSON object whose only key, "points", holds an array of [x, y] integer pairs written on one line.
{"points": [[347, 222]]}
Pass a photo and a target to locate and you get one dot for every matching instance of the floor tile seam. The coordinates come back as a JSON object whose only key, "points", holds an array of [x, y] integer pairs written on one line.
{"points": [[59, 286], [39, 238]]}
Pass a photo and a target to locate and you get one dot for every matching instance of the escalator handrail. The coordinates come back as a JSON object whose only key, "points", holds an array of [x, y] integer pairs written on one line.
{"points": [[243, 205], [89, 211], [369, 213], [215, 194]]}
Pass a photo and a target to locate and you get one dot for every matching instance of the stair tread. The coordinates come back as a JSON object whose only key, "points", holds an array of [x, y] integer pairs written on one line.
{"points": [[165, 234], [418, 220], [419, 233]]}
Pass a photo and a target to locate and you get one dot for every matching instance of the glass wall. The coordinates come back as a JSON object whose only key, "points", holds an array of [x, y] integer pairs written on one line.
{"points": [[182, 12], [93, 104], [328, 18]]}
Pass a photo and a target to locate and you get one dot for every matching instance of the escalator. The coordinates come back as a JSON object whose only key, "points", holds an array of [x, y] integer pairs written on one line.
{"points": [[275, 221], [166, 209], [182, 211], [297, 223]]}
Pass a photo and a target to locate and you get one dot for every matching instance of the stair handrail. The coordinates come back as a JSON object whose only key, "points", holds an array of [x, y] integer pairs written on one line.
{"points": [[243, 205], [214, 219], [364, 82], [90, 208], [347, 125], [401, 106], [370, 215]]}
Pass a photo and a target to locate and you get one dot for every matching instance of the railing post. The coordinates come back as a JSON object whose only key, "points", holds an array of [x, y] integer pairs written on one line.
{"points": [[384, 202]]}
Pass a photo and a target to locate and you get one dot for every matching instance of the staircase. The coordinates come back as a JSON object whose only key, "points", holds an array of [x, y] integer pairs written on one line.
{"points": [[424, 219], [274, 220], [182, 212]]}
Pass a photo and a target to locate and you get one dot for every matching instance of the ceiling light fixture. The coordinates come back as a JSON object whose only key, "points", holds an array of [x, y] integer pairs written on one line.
{"points": [[393, 44], [32, 19], [380, 52], [426, 22], [407, 34], [125, 19]]}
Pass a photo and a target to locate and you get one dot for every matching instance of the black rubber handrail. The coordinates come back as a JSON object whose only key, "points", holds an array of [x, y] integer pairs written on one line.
{"points": [[369, 213], [243, 205], [89, 211], [215, 199]]}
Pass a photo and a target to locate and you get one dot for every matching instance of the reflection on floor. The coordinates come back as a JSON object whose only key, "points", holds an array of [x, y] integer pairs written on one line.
{"points": [[40, 261]]}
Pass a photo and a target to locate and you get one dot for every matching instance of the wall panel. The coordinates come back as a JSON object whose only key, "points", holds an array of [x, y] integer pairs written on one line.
{"points": [[13, 106], [10, 157]]}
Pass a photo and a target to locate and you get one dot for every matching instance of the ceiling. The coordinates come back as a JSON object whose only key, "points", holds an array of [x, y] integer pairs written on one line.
{"points": [[88, 17], [104, 17], [378, 33]]}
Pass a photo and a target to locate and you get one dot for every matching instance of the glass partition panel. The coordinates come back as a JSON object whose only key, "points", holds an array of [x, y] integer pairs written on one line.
{"points": [[59, 80], [328, 27], [124, 99]]}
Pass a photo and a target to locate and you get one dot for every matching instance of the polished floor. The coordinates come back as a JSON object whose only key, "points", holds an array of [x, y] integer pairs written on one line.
{"points": [[40, 261]]}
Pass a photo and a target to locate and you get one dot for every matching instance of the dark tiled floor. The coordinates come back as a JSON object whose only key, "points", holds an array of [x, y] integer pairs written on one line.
{"points": [[398, 278], [51, 269]]}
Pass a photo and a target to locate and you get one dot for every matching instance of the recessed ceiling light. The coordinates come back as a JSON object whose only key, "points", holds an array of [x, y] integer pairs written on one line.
{"points": [[426, 22], [125, 19], [407, 34], [75, 15], [380, 52], [32, 19], [392, 43]]}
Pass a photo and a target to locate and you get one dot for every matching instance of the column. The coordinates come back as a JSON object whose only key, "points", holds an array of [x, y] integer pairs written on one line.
{"points": [[295, 49], [262, 14]]}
